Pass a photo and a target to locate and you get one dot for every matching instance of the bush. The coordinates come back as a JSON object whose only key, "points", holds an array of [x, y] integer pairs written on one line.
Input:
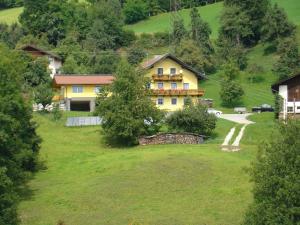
{"points": [[57, 114], [134, 11], [136, 55], [193, 119], [231, 93]]}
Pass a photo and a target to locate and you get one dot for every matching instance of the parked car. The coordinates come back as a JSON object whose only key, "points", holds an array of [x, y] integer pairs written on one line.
{"points": [[215, 112], [240, 110], [263, 108]]}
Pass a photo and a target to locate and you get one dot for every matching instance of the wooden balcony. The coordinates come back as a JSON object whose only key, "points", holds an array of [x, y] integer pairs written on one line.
{"points": [[176, 77], [178, 92]]}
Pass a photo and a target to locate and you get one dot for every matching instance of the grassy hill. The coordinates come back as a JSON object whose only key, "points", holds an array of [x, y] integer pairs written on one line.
{"points": [[87, 182], [210, 13], [10, 16]]}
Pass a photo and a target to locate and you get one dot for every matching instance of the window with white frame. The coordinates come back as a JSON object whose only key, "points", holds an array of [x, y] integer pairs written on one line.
{"points": [[98, 89], [173, 85], [160, 71], [174, 101], [186, 86], [160, 101], [160, 85], [77, 89], [172, 71], [290, 109]]}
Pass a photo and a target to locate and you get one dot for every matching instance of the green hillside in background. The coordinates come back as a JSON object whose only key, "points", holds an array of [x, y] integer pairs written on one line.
{"points": [[10, 16], [210, 13]]}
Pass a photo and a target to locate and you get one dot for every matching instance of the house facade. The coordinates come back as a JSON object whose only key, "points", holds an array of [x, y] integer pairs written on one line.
{"points": [[79, 92], [289, 90], [55, 62], [172, 82]]}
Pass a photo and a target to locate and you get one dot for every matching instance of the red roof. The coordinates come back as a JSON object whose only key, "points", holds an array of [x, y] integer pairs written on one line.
{"points": [[83, 79]]}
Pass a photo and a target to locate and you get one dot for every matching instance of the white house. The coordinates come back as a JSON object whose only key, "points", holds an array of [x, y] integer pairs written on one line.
{"points": [[55, 62], [289, 90]]}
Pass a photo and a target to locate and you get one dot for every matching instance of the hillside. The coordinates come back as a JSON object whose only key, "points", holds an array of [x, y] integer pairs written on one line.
{"points": [[10, 16], [211, 14]]}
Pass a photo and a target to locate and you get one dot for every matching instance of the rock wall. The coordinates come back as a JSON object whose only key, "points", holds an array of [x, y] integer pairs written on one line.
{"points": [[172, 138]]}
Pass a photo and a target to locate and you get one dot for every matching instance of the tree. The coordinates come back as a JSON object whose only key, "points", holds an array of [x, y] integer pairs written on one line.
{"points": [[10, 35], [189, 52], [193, 118], [235, 25], [106, 30], [200, 32], [37, 79], [104, 62], [135, 10], [251, 14], [153, 7], [136, 55], [289, 59], [178, 30], [231, 91], [128, 112], [19, 142], [276, 25], [276, 178]]}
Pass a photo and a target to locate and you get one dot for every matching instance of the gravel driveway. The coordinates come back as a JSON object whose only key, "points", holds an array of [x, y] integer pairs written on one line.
{"points": [[237, 118]]}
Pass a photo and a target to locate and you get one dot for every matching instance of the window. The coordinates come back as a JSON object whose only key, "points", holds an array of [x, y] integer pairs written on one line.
{"points": [[174, 101], [148, 85], [77, 89], [173, 71], [160, 101], [290, 109], [160, 71], [98, 89], [173, 86], [160, 85], [186, 86]]}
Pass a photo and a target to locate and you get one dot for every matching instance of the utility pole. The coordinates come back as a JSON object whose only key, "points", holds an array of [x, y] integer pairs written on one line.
{"points": [[175, 6]]}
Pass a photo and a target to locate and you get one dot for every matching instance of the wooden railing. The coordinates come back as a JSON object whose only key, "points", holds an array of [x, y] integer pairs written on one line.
{"points": [[178, 92], [175, 77]]}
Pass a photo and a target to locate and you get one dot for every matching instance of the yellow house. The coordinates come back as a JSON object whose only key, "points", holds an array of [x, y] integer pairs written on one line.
{"points": [[79, 92], [172, 82]]}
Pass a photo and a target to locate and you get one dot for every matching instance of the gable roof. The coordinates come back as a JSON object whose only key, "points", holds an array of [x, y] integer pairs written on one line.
{"points": [[275, 87], [150, 63], [33, 48], [71, 79]]}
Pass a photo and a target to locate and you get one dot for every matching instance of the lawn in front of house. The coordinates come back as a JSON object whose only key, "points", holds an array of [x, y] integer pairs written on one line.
{"points": [[86, 182]]}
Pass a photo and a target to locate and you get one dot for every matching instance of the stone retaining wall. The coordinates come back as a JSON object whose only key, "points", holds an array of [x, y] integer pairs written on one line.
{"points": [[172, 138]]}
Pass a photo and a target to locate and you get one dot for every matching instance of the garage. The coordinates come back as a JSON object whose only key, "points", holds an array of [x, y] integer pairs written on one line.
{"points": [[80, 106]]}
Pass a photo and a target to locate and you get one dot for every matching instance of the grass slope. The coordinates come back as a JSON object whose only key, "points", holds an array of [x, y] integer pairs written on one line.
{"points": [[10, 16], [211, 14], [87, 183]]}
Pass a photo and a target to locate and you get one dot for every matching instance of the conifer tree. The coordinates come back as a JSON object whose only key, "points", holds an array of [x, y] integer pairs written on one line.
{"points": [[276, 177]]}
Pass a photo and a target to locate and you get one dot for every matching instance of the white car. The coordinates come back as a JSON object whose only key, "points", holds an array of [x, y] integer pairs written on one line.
{"points": [[215, 112]]}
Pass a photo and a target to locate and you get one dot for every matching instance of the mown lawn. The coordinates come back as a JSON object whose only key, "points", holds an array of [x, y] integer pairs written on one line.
{"points": [[87, 182]]}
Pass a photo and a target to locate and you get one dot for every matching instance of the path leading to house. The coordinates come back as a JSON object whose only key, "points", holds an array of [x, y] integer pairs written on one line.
{"points": [[238, 118]]}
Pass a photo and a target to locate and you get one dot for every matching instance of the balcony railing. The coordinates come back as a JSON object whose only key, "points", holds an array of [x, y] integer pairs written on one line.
{"points": [[175, 77], [178, 92]]}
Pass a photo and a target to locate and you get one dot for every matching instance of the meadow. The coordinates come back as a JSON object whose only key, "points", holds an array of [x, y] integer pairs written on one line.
{"points": [[87, 182]]}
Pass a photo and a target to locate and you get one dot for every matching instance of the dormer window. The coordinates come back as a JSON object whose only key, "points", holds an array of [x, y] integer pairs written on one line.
{"points": [[160, 71], [172, 71]]}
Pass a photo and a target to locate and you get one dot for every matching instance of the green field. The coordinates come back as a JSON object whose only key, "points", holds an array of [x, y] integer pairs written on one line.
{"points": [[211, 14], [88, 183], [10, 16]]}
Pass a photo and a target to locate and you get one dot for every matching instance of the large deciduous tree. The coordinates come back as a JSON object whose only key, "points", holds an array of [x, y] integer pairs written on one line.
{"points": [[128, 112]]}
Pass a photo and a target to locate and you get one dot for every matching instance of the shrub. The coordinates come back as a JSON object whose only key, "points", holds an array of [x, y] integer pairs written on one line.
{"points": [[231, 93], [194, 119], [136, 55], [57, 114]]}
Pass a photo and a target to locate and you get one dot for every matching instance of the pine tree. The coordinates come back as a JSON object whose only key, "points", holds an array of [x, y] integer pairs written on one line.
{"points": [[200, 31], [276, 177], [276, 25], [289, 59], [178, 30], [19, 142]]}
